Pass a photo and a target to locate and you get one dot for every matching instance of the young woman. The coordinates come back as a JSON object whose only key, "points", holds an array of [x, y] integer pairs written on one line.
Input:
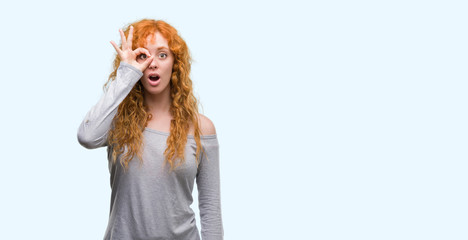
{"points": [[157, 142]]}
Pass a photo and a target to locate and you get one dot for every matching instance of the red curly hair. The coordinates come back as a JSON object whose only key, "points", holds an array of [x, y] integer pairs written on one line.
{"points": [[132, 116]]}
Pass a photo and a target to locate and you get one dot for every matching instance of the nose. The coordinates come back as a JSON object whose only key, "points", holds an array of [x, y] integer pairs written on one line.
{"points": [[153, 64]]}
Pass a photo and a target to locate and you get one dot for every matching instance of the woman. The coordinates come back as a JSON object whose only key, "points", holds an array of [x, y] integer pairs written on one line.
{"points": [[148, 114]]}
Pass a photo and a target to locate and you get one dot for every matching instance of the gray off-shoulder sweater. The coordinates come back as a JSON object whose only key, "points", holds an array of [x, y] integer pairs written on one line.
{"points": [[148, 202]]}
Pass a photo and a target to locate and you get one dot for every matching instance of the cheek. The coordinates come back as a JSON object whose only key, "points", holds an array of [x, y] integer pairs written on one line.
{"points": [[168, 64], [168, 68]]}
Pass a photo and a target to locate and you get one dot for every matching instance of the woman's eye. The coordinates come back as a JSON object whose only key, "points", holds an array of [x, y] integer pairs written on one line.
{"points": [[162, 55], [142, 56]]}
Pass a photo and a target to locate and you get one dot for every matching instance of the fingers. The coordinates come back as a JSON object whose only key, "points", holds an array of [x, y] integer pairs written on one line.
{"points": [[149, 58], [116, 48], [124, 40], [147, 62], [130, 38], [139, 51]]}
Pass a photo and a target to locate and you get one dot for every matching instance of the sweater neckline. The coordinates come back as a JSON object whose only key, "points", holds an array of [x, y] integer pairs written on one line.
{"points": [[188, 136]]}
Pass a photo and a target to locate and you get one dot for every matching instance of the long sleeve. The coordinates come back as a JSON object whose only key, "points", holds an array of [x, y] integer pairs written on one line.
{"points": [[209, 193], [93, 130]]}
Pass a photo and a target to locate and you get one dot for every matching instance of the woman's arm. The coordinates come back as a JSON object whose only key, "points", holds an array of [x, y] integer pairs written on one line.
{"points": [[93, 130], [209, 192]]}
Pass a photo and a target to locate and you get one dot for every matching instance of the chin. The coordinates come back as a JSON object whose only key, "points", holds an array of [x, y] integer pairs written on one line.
{"points": [[154, 90]]}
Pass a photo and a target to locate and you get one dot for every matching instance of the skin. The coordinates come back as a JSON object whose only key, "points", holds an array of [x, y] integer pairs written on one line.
{"points": [[158, 98], [130, 56], [155, 57]]}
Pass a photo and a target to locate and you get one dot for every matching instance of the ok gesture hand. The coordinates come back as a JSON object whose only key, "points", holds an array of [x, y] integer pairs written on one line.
{"points": [[128, 55]]}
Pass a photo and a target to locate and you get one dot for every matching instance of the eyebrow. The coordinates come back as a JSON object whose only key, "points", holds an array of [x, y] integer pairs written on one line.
{"points": [[161, 48]]}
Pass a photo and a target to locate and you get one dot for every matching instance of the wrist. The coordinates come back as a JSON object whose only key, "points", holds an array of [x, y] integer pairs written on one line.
{"points": [[131, 66]]}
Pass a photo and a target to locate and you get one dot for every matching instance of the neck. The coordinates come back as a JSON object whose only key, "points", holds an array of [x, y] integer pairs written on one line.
{"points": [[159, 104]]}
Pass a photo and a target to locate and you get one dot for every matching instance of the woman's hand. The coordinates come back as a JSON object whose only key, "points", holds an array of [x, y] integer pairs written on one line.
{"points": [[130, 56]]}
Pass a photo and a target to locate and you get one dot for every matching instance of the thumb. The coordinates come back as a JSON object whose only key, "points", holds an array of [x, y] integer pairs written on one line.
{"points": [[148, 61]]}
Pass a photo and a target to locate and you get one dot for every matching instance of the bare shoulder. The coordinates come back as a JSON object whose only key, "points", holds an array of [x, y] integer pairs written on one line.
{"points": [[206, 125]]}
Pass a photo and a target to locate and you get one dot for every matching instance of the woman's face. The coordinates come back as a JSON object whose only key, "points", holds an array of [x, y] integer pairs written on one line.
{"points": [[157, 76]]}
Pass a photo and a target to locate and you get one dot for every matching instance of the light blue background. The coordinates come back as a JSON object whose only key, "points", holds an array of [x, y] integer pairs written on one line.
{"points": [[336, 119]]}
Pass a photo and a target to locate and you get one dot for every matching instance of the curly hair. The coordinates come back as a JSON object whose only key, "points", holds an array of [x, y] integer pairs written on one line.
{"points": [[133, 115]]}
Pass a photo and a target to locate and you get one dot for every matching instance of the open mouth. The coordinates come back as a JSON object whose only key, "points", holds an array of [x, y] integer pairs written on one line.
{"points": [[154, 78]]}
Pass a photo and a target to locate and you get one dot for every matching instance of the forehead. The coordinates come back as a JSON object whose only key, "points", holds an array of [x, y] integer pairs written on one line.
{"points": [[156, 40]]}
